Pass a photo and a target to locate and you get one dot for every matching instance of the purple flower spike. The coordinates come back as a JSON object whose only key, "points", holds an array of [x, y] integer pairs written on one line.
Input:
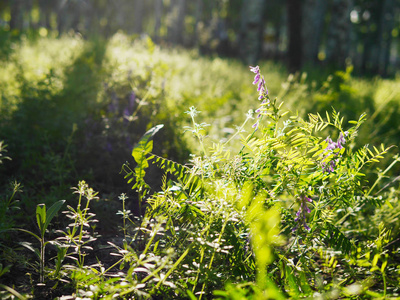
{"points": [[260, 85], [341, 140], [329, 167], [261, 88], [255, 69], [301, 214], [256, 78], [255, 125]]}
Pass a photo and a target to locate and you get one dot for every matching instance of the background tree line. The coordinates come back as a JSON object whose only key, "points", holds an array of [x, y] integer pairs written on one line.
{"points": [[334, 33]]}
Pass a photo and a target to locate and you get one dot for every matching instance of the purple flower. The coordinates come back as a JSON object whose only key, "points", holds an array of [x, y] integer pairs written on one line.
{"points": [[330, 150], [255, 125], [262, 90], [301, 215], [256, 78], [255, 69], [261, 85], [260, 82], [341, 140]]}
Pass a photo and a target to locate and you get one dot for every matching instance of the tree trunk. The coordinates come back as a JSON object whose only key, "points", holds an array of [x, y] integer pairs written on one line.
{"points": [[251, 35], [337, 46], [62, 16], [375, 38], [177, 21], [74, 10], [314, 12], [158, 9], [180, 22], [45, 7], [295, 47], [16, 12], [171, 19], [385, 41], [198, 18], [138, 16], [122, 15]]}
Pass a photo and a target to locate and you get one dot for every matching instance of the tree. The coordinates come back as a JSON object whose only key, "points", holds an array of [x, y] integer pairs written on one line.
{"points": [[45, 8], [338, 39], [158, 10], [177, 21], [385, 35], [314, 13], [295, 47], [197, 19], [16, 12], [138, 16], [251, 33]]}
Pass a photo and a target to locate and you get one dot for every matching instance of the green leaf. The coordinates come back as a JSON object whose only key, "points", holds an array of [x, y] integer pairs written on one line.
{"points": [[145, 144], [52, 211], [305, 286], [41, 215], [31, 233], [4, 270], [337, 240], [13, 292], [28, 246], [292, 284]]}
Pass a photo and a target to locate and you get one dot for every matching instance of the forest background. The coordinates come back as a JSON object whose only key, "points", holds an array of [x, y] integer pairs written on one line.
{"points": [[364, 33]]}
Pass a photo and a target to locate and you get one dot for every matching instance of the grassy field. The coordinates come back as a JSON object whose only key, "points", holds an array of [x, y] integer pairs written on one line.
{"points": [[73, 109]]}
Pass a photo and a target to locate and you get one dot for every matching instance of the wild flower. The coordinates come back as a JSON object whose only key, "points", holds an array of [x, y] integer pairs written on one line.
{"points": [[260, 82], [123, 197], [301, 215], [330, 150], [262, 90]]}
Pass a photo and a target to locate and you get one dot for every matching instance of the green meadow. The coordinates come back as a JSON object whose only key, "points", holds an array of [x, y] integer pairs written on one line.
{"points": [[177, 196]]}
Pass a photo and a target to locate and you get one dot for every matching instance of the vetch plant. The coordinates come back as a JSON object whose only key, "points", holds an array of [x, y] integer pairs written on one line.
{"points": [[283, 217], [301, 215], [297, 184], [332, 152]]}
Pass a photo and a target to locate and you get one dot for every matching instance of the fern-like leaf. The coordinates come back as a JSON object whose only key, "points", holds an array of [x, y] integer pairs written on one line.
{"points": [[334, 238]]}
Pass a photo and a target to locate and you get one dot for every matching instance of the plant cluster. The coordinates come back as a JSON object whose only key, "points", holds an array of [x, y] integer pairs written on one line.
{"points": [[294, 212], [277, 219]]}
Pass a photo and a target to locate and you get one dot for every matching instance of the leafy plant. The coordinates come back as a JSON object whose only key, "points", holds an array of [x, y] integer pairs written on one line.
{"points": [[285, 170], [43, 219], [139, 153], [288, 205], [77, 235]]}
